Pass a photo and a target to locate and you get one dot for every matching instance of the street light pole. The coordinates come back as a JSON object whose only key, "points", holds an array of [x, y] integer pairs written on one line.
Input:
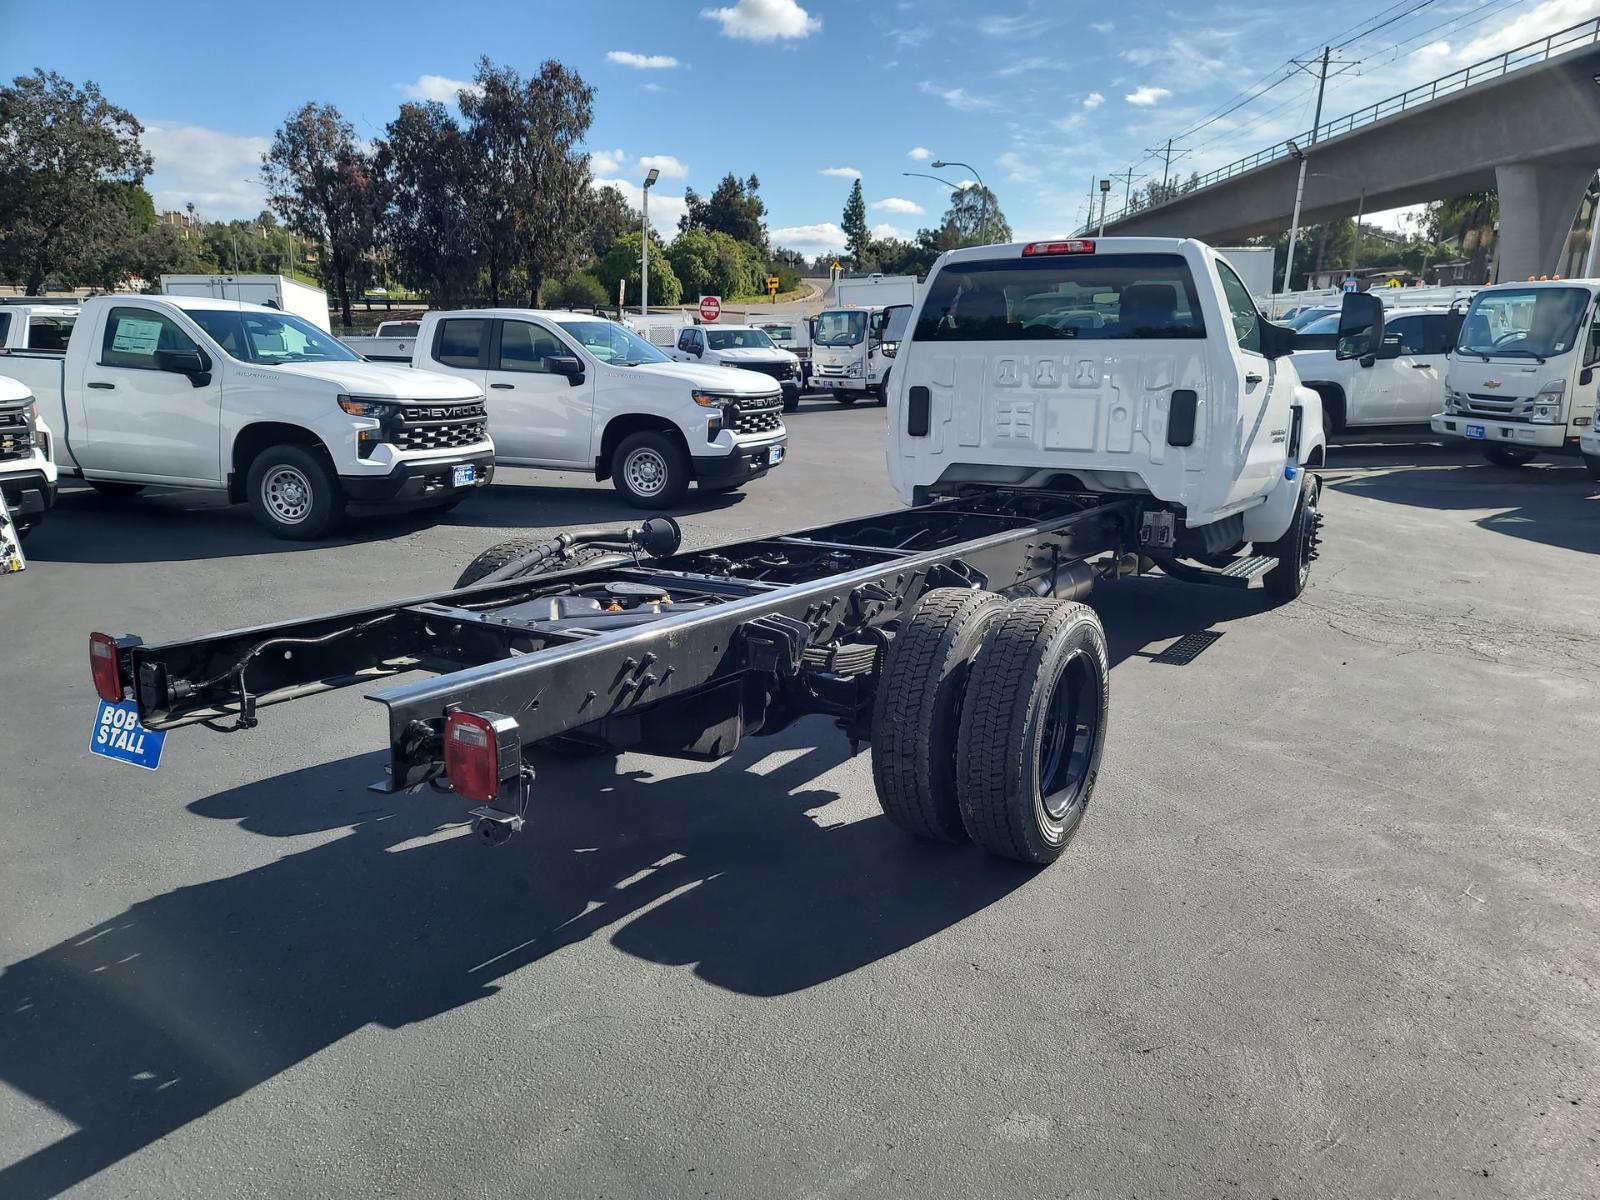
{"points": [[1105, 190], [983, 213], [644, 245]]}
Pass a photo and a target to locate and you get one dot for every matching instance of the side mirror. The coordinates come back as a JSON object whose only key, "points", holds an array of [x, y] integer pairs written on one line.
{"points": [[566, 364], [1586, 377], [1360, 326], [811, 327], [192, 363]]}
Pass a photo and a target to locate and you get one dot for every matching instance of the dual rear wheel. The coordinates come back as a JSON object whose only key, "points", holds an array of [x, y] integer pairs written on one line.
{"points": [[989, 722]]}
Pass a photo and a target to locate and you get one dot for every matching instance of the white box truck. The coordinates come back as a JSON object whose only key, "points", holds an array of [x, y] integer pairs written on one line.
{"points": [[271, 291], [847, 358]]}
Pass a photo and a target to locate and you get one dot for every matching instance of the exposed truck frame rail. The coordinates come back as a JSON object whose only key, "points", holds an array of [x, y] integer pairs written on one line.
{"points": [[756, 634]]}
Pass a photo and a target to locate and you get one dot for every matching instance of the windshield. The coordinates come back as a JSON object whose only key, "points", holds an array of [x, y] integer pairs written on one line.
{"points": [[270, 338], [1323, 324], [1523, 322], [841, 328], [613, 343], [779, 333], [1112, 297], [738, 339]]}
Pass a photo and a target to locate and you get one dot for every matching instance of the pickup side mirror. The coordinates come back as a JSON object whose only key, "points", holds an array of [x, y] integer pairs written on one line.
{"points": [[1360, 326], [566, 364], [192, 363]]}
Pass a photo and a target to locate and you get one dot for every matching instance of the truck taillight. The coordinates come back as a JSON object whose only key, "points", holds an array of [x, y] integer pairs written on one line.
{"points": [[1070, 246], [106, 668], [480, 750]]}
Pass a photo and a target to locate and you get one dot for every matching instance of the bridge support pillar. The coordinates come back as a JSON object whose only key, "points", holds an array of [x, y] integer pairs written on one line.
{"points": [[1538, 203]]}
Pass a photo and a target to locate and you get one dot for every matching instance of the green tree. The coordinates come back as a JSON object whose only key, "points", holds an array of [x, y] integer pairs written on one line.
{"points": [[325, 188], [428, 162], [622, 262], [583, 290], [734, 208], [607, 215], [974, 219], [857, 239], [69, 163], [535, 184]]}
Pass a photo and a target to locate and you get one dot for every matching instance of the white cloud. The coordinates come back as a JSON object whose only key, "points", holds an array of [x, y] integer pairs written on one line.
{"points": [[641, 62], [654, 87], [890, 231], [1018, 169], [664, 209], [764, 20], [810, 239], [1093, 100], [607, 162], [956, 98], [212, 169], [665, 163], [841, 172], [437, 87], [919, 153], [1102, 26], [895, 204], [1000, 26], [1145, 95]]}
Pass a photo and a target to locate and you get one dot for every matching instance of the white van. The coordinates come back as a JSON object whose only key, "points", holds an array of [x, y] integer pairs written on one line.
{"points": [[570, 392]]}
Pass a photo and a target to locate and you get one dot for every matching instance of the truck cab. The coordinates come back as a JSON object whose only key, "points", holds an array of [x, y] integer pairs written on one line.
{"points": [[1521, 380], [1401, 384], [847, 358], [570, 392], [744, 347], [1132, 365]]}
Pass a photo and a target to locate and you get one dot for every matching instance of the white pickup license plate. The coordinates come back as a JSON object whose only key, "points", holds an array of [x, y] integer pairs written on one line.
{"points": [[1476, 432], [463, 476], [775, 456]]}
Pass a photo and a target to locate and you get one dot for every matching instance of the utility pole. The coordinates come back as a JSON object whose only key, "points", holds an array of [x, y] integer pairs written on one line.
{"points": [[1300, 188], [1167, 159], [1127, 186]]}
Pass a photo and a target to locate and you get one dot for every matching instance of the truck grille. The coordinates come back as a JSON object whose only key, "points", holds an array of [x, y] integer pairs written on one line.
{"points": [[828, 369], [758, 416], [777, 370], [1504, 408], [441, 426], [16, 438]]}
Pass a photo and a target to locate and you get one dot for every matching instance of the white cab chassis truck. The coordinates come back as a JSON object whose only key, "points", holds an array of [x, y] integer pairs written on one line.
{"points": [[847, 356], [571, 392], [255, 403], [1521, 379], [1064, 414]]}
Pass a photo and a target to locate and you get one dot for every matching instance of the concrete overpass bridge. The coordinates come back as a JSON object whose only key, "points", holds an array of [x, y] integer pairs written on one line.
{"points": [[1525, 123]]}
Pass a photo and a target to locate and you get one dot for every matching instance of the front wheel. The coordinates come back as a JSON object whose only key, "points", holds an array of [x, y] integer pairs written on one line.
{"points": [[651, 470], [1297, 548], [1508, 456], [846, 398], [294, 493]]}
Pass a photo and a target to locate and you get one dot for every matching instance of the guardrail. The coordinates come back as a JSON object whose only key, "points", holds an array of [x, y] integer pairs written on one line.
{"points": [[1571, 38]]}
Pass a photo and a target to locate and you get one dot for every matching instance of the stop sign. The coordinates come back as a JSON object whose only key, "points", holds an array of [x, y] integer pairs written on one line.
{"points": [[710, 307]]}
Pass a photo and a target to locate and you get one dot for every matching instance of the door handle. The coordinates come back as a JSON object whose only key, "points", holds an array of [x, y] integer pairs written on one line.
{"points": [[105, 386], [1252, 378], [1420, 366], [505, 387]]}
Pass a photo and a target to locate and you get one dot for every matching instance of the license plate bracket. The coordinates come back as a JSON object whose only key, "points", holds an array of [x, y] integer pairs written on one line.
{"points": [[118, 735], [464, 475], [1476, 432]]}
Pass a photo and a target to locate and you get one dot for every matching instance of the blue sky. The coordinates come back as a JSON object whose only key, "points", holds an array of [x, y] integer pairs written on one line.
{"points": [[1038, 95]]}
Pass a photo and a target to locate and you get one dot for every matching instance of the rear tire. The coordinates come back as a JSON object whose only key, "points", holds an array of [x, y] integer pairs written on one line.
{"points": [[846, 398], [294, 493], [1509, 456], [791, 405], [651, 470], [116, 491], [501, 553], [1592, 462], [1297, 548], [916, 714], [1033, 726]]}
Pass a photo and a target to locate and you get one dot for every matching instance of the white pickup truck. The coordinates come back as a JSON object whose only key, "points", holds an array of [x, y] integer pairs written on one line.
{"points": [[192, 392], [1522, 377], [745, 347], [1401, 384], [1135, 365], [570, 392], [395, 341], [27, 468]]}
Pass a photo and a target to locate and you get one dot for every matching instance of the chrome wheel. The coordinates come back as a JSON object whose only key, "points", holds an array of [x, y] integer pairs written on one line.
{"points": [[286, 494], [646, 471]]}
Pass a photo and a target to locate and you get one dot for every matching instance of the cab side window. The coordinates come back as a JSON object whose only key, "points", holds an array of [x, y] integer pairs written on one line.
{"points": [[1406, 333], [134, 336], [1438, 334], [528, 347], [1242, 308], [460, 342], [686, 339]]}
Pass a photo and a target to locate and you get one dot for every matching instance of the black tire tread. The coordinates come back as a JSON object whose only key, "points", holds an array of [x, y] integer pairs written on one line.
{"points": [[1005, 689], [915, 779]]}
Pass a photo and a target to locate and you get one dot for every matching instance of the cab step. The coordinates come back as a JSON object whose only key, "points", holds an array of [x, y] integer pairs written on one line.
{"points": [[1236, 574]]}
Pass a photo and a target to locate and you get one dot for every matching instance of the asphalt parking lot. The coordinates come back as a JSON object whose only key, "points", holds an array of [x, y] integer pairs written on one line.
{"points": [[1328, 929]]}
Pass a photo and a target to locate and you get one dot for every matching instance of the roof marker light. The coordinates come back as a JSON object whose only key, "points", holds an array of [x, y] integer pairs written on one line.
{"points": [[1070, 246]]}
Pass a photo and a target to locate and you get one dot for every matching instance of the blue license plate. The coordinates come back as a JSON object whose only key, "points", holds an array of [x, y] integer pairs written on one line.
{"points": [[463, 476], [1476, 432], [776, 455], [117, 734]]}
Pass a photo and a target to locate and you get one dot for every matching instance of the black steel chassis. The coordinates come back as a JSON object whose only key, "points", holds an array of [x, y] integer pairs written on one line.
{"points": [[786, 625]]}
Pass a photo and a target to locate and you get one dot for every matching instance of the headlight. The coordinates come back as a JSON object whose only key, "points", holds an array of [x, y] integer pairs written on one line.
{"points": [[712, 399], [377, 409], [854, 368], [1453, 401], [1545, 413]]}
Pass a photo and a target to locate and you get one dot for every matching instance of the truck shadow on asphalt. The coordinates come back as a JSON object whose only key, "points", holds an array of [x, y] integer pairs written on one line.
{"points": [[187, 1000], [1552, 504]]}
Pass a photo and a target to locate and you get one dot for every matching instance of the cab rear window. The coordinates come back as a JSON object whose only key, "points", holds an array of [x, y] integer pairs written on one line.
{"points": [[1112, 297]]}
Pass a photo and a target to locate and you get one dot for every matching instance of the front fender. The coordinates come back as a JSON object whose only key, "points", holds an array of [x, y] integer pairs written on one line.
{"points": [[1313, 450]]}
